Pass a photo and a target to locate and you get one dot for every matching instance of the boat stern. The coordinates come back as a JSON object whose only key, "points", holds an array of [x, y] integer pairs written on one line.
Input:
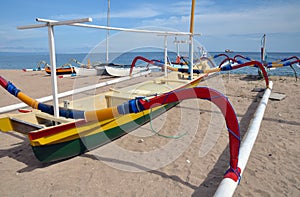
{"points": [[18, 125], [27, 122]]}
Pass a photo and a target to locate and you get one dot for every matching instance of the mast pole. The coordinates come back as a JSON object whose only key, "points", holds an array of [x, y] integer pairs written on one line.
{"points": [[263, 49], [191, 44], [262, 53], [107, 31], [166, 55]]}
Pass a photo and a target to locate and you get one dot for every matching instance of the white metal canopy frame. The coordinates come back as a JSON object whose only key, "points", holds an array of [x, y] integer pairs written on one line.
{"points": [[78, 22]]}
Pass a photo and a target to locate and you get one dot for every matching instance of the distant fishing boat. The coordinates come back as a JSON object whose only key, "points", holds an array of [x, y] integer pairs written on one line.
{"points": [[228, 51], [85, 71], [69, 69], [94, 69], [38, 68], [33, 69], [64, 69], [122, 72]]}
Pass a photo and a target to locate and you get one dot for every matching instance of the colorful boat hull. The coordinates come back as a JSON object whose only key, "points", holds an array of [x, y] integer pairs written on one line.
{"points": [[85, 141]]}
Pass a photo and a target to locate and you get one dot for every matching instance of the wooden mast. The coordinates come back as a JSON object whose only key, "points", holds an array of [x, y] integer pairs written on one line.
{"points": [[191, 45]]}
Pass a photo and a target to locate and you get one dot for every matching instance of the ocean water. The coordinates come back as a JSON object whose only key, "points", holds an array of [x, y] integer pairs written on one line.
{"points": [[10, 60]]}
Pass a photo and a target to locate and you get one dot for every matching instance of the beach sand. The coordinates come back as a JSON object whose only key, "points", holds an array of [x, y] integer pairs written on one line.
{"points": [[144, 164]]}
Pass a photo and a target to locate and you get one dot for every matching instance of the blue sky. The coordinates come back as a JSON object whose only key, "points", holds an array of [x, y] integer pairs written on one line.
{"points": [[234, 24]]}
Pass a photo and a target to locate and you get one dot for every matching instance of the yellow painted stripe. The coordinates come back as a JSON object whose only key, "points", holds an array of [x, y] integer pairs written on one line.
{"points": [[5, 124]]}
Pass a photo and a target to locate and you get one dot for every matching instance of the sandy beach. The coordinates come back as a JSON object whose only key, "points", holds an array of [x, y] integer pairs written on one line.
{"points": [[193, 167]]}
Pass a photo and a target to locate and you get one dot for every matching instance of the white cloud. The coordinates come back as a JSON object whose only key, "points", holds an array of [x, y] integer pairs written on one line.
{"points": [[267, 20], [211, 19], [137, 13], [271, 19]]}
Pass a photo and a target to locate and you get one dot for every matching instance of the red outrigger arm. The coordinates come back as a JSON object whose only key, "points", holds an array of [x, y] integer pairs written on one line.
{"points": [[144, 59], [140, 104]]}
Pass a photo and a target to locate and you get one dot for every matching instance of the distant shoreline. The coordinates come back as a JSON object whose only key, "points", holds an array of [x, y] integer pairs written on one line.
{"points": [[29, 60]]}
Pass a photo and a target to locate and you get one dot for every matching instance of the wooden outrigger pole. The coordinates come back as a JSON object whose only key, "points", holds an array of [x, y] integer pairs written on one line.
{"points": [[107, 31]]}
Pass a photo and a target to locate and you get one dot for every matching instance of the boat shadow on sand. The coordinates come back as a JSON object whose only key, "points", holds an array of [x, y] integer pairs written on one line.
{"points": [[21, 151], [140, 167], [251, 78]]}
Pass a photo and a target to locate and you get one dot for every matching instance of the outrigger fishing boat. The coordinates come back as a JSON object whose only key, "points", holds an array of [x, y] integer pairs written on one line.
{"points": [[228, 51], [38, 68], [94, 69]]}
